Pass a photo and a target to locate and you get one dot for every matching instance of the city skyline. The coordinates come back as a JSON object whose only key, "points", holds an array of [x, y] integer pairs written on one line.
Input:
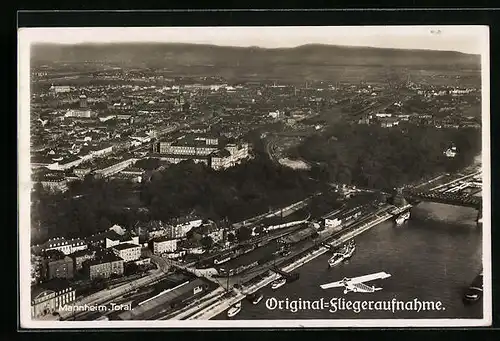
{"points": [[464, 39]]}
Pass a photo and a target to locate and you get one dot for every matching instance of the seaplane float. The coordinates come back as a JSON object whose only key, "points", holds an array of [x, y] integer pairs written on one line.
{"points": [[357, 284]]}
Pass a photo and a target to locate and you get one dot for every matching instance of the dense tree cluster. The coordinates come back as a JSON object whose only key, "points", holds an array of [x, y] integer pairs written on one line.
{"points": [[148, 164], [382, 158], [90, 206], [236, 194]]}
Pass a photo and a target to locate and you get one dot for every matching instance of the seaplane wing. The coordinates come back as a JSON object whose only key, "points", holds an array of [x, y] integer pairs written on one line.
{"points": [[337, 284], [355, 280], [367, 278]]}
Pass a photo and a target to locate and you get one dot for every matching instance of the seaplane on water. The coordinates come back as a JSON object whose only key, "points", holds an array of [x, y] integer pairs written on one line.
{"points": [[357, 284]]}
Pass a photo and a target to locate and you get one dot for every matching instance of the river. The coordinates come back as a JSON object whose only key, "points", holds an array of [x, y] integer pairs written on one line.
{"points": [[432, 257]]}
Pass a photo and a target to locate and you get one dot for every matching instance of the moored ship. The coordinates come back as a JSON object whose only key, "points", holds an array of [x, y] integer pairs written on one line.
{"points": [[222, 260], [351, 247], [401, 219], [336, 259], [258, 297], [475, 290], [278, 283], [235, 309]]}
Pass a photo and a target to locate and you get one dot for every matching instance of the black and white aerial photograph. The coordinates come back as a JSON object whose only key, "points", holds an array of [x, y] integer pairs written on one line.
{"points": [[263, 177]]}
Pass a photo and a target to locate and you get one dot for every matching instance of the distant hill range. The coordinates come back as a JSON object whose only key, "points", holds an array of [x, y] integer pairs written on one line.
{"points": [[193, 54], [307, 61]]}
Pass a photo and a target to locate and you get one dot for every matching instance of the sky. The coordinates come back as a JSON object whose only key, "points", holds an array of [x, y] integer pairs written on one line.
{"points": [[466, 39]]}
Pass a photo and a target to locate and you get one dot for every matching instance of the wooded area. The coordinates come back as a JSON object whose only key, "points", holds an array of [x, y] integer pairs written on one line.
{"points": [[381, 158]]}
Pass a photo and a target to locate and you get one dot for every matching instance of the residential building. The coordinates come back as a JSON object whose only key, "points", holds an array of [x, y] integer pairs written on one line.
{"points": [[210, 230], [66, 163], [74, 113], [114, 233], [220, 159], [364, 120], [81, 256], [133, 174], [103, 267], [106, 118], [65, 246], [114, 239], [230, 156], [60, 88], [383, 115], [116, 168], [156, 233], [128, 252], [83, 101], [56, 265], [101, 150], [185, 148], [36, 268], [274, 114], [180, 230], [164, 245], [174, 159], [388, 122], [60, 184], [48, 297], [82, 172], [150, 230]]}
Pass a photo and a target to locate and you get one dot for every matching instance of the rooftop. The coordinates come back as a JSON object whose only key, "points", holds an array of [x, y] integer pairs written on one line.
{"points": [[81, 253], [107, 258], [125, 246], [54, 255], [56, 284], [188, 157], [221, 153], [113, 235], [55, 242], [163, 239]]}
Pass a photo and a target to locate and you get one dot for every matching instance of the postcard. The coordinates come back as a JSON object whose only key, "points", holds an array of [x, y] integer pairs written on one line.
{"points": [[254, 177]]}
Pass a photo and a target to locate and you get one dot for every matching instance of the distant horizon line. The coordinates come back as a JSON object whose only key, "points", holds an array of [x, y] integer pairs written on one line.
{"points": [[248, 46]]}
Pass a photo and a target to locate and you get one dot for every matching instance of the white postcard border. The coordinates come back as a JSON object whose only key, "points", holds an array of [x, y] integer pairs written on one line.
{"points": [[25, 39]]}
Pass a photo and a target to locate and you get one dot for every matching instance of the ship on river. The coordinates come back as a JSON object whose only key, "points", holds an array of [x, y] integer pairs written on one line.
{"points": [[349, 250], [400, 220], [344, 253], [336, 259], [278, 283], [235, 309], [255, 298], [475, 291]]}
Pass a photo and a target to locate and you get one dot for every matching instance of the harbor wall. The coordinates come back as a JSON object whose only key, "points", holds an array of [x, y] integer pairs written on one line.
{"points": [[221, 305]]}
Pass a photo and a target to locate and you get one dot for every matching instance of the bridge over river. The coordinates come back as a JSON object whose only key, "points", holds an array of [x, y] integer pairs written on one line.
{"points": [[456, 199], [464, 191]]}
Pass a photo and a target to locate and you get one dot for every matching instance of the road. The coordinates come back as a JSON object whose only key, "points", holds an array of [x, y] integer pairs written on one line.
{"points": [[270, 148], [164, 264]]}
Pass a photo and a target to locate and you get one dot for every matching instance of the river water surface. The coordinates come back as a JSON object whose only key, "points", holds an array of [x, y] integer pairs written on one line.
{"points": [[432, 257]]}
